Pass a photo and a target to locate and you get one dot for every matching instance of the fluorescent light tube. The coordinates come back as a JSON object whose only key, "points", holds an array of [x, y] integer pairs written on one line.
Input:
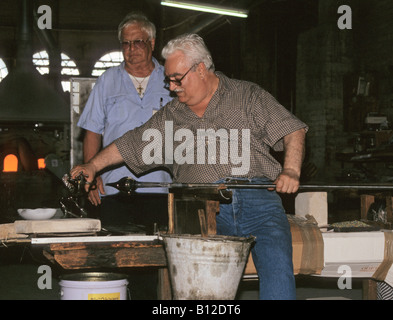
{"points": [[206, 8]]}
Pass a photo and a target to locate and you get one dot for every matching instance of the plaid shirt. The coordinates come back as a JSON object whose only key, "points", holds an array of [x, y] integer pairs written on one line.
{"points": [[240, 125]]}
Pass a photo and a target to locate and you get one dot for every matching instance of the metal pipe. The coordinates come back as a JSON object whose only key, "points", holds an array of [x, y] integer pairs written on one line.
{"points": [[24, 36], [128, 184]]}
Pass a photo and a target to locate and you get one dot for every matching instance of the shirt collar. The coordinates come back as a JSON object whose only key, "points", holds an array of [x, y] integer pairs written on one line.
{"points": [[222, 84], [156, 65]]}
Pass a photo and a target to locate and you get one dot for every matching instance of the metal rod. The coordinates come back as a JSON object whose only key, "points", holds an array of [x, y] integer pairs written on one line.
{"points": [[131, 184]]}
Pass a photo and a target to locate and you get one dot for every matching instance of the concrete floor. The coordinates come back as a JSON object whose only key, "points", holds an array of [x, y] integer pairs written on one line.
{"points": [[19, 279]]}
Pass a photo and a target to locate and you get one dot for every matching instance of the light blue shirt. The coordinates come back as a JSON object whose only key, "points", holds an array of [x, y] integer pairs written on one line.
{"points": [[114, 107]]}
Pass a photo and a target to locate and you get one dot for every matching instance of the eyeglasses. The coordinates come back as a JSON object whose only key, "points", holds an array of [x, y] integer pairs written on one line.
{"points": [[177, 82], [138, 44]]}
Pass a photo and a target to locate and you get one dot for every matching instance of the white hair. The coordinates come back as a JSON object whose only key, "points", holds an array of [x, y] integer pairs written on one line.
{"points": [[194, 48], [140, 19]]}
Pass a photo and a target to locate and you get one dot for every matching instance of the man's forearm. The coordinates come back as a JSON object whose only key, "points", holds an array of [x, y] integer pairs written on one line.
{"points": [[91, 145], [294, 145], [109, 156]]}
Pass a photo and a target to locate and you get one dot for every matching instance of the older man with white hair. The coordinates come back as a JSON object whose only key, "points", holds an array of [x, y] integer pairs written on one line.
{"points": [[123, 98]]}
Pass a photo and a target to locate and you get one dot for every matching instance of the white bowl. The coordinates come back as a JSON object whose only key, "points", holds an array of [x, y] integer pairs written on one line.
{"points": [[37, 214]]}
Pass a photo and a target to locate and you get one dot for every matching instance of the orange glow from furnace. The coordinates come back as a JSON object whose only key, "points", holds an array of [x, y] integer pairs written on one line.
{"points": [[10, 163], [41, 163]]}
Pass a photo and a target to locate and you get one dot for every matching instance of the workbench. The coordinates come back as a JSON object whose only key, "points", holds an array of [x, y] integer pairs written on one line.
{"points": [[363, 252]]}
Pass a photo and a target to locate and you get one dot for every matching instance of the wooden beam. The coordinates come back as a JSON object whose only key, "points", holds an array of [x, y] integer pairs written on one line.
{"points": [[108, 255], [212, 209]]}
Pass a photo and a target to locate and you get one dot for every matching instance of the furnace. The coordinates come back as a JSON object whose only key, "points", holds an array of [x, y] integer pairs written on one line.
{"points": [[34, 131]]}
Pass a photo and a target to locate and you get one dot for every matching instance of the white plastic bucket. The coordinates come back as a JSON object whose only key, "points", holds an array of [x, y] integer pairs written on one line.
{"points": [[94, 286], [206, 268]]}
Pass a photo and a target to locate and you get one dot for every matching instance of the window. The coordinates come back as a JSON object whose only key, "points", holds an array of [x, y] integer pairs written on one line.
{"points": [[3, 70], [69, 68], [41, 61], [109, 60]]}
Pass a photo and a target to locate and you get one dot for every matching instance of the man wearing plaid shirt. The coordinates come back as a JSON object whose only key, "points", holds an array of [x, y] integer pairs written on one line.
{"points": [[216, 129]]}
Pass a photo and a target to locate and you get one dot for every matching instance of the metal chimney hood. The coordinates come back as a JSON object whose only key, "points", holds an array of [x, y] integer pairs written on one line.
{"points": [[25, 96]]}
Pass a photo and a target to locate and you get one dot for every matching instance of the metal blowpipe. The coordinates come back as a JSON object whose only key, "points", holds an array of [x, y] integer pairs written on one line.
{"points": [[129, 185]]}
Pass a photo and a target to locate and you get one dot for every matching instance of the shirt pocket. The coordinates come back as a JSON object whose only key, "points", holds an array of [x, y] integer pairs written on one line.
{"points": [[159, 101], [123, 109]]}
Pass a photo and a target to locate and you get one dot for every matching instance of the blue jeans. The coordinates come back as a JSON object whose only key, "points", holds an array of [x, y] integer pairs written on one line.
{"points": [[259, 212]]}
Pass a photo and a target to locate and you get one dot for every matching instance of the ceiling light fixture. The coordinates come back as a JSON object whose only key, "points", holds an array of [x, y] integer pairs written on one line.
{"points": [[206, 8]]}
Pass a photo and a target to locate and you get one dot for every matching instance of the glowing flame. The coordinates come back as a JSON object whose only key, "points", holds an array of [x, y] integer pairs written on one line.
{"points": [[10, 163], [41, 163]]}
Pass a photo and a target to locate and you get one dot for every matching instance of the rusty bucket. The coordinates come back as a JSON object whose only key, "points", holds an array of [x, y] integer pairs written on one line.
{"points": [[206, 268]]}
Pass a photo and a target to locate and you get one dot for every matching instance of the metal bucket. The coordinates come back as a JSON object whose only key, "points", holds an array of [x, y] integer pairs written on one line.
{"points": [[206, 268], [93, 286]]}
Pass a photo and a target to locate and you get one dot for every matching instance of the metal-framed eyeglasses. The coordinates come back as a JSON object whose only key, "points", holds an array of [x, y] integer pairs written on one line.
{"points": [[138, 44], [178, 82]]}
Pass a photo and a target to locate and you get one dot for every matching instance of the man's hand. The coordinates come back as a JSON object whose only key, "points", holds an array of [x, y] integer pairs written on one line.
{"points": [[287, 181], [88, 171], [294, 148], [94, 194]]}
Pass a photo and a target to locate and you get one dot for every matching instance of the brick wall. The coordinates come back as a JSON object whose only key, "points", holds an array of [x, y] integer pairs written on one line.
{"points": [[376, 44], [325, 55]]}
